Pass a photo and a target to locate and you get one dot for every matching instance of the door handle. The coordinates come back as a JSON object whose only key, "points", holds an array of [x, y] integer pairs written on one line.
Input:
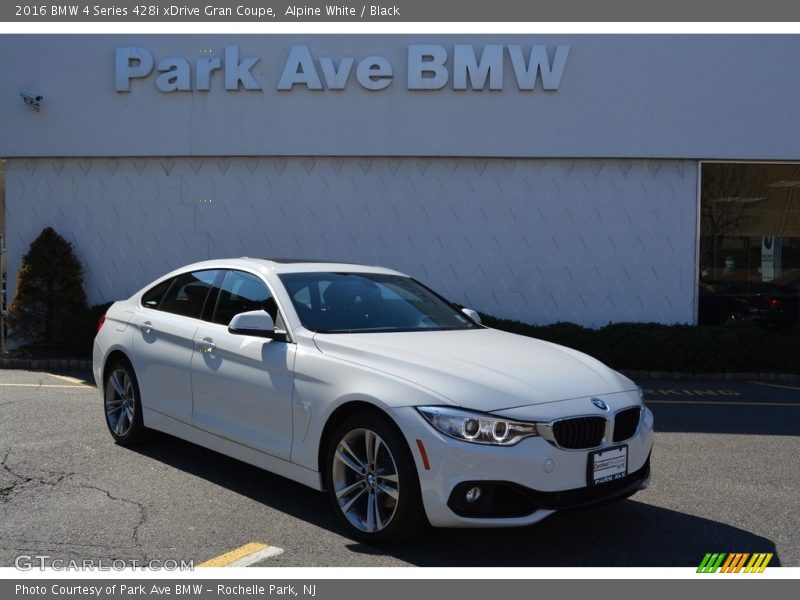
{"points": [[205, 345], [146, 327]]}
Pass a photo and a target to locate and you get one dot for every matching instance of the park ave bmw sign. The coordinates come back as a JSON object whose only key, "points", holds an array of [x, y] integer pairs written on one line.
{"points": [[428, 67]]}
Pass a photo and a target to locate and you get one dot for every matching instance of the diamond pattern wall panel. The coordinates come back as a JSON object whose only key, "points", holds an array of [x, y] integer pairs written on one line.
{"points": [[540, 240]]}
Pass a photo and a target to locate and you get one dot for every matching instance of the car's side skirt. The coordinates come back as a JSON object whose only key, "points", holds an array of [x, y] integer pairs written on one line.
{"points": [[161, 422]]}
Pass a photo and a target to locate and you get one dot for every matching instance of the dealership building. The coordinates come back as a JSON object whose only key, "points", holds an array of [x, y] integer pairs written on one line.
{"points": [[583, 178]]}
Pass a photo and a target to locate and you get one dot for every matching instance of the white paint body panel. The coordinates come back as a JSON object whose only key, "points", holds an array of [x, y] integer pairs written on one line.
{"points": [[164, 345], [267, 402], [481, 369], [242, 390]]}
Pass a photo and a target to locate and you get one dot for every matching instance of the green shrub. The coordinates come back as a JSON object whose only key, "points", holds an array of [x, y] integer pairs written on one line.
{"points": [[676, 348], [49, 293]]}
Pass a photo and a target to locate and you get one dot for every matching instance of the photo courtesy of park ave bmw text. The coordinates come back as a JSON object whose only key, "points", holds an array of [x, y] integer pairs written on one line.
{"points": [[544, 178]]}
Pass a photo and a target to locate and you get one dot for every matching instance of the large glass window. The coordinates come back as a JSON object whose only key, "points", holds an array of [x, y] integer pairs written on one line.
{"points": [[750, 244]]}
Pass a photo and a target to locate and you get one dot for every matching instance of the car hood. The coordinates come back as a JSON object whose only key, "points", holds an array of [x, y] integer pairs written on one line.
{"points": [[480, 369]]}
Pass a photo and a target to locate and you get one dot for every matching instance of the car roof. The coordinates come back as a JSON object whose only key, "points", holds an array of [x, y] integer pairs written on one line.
{"points": [[287, 265]]}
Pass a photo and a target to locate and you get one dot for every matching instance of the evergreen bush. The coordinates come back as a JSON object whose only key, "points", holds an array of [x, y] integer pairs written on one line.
{"points": [[49, 294]]}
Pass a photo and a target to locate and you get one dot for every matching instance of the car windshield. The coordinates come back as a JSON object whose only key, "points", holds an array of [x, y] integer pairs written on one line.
{"points": [[369, 302]]}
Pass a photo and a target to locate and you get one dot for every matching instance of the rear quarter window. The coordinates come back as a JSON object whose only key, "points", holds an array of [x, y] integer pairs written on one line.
{"points": [[152, 297]]}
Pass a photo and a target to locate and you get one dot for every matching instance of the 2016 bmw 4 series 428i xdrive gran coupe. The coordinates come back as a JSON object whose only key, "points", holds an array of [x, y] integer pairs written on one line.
{"points": [[363, 382]]}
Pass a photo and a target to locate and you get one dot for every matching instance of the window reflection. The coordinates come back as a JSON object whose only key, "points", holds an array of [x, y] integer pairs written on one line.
{"points": [[750, 244]]}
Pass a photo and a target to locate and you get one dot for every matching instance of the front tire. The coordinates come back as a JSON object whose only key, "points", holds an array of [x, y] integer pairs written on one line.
{"points": [[122, 404], [372, 480]]}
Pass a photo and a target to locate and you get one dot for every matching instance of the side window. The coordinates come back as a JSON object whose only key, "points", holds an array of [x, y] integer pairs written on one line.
{"points": [[152, 297], [242, 292], [187, 294]]}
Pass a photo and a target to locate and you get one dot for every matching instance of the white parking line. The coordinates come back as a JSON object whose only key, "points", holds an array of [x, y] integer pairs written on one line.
{"points": [[45, 385], [69, 379], [775, 385], [243, 556], [713, 402], [256, 557]]}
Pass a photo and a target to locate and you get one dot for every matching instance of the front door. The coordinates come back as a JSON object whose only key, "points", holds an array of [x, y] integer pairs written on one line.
{"points": [[242, 385]]}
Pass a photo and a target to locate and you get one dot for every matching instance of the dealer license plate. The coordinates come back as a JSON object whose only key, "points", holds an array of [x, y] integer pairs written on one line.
{"points": [[608, 465]]}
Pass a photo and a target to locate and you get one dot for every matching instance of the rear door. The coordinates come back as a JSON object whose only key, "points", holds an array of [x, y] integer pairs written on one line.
{"points": [[242, 385], [164, 342]]}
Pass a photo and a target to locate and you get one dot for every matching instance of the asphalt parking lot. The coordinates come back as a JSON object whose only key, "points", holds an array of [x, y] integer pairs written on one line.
{"points": [[726, 479]]}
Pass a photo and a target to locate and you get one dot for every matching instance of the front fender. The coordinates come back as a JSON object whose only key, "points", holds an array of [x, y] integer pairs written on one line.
{"points": [[324, 383]]}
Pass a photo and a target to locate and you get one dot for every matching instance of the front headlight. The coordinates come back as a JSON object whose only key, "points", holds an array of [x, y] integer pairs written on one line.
{"points": [[478, 428]]}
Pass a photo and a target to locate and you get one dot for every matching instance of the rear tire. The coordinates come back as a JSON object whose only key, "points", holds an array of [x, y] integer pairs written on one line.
{"points": [[372, 480], [122, 404]]}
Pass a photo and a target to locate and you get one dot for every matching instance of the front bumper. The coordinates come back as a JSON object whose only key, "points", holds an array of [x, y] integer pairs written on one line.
{"points": [[522, 484], [508, 499]]}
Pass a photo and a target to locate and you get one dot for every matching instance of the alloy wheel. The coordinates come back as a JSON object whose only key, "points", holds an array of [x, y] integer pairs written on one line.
{"points": [[120, 401], [365, 480]]}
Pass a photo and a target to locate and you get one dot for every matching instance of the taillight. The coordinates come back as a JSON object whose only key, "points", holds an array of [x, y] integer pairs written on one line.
{"points": [[100, 321], [774, 303]]}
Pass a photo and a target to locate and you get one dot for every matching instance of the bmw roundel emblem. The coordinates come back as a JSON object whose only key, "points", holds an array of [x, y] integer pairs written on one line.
{"points": [[599, 404]]}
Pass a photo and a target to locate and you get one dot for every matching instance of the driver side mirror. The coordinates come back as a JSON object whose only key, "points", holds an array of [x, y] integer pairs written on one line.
{"points": [[257, 323], [472, 314]]}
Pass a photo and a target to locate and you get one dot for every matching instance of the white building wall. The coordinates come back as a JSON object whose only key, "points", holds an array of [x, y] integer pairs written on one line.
{"points": [[632, 96], [541, 240]]}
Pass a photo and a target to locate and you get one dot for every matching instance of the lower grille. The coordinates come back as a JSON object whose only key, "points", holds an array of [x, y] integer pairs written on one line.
{"points": [[626, 422], [579, 433], [503, 499]]}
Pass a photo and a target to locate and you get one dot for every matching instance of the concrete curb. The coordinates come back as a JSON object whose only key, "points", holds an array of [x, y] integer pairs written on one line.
{"points": [[46, 364]]}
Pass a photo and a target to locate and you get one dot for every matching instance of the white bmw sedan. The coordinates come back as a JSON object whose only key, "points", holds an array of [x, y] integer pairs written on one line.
{"points": [[365, 383]]}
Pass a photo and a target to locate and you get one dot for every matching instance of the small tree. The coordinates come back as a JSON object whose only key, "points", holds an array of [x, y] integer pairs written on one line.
{"points": [[49, 291]]}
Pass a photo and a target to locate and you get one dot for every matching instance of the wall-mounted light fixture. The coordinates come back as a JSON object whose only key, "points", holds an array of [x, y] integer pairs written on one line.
{"points": [[35, 102]]}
